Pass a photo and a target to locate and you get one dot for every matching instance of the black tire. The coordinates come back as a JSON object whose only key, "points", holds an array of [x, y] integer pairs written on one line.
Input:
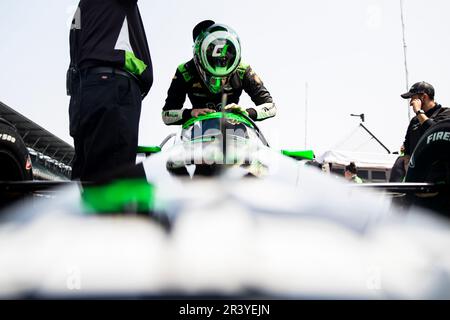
{"points": [[15, 163], [430, 162]]}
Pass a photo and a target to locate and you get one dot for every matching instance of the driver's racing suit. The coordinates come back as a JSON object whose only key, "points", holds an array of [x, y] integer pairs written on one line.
{"points": [[188, 82]]}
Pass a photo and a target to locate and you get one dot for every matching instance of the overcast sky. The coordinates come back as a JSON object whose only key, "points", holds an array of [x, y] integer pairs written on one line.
{"points": [[350, 53]]}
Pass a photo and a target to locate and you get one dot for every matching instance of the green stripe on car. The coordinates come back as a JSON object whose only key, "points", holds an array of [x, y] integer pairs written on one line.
{"points": [[305, 154], [120, 197]]}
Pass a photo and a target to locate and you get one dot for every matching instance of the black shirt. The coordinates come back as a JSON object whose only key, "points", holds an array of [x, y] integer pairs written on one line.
{"points": [[111, 33], [416, 130]]}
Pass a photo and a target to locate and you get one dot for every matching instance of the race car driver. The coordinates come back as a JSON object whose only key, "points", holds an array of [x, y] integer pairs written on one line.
{"points": [[216, 69]]}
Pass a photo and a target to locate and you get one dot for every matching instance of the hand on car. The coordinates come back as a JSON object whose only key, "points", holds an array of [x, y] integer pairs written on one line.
{"points": [[233, 107], [198, 112]]}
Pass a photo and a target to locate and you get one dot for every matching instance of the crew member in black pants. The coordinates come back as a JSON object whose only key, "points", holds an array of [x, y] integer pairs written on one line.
{"points": [[110, 74]]}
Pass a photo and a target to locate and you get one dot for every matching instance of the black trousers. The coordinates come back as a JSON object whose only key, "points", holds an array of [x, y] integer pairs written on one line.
{"points": [[104, 122], [398, 170]]}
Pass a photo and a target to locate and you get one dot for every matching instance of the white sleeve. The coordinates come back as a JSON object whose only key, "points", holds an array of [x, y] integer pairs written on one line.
{"points": [[172, 116], [265, 110]]}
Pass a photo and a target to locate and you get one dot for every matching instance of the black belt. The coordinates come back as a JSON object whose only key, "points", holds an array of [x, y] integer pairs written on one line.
{"points": [[109, 70]]}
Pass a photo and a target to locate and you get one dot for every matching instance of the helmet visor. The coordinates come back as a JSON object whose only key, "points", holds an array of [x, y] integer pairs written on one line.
{"points": [[220, 54]]}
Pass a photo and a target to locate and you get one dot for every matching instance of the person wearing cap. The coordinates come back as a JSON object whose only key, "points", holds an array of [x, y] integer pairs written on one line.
{"points": [[427, 111], [216, 69], [398, 170], [351, 173]]}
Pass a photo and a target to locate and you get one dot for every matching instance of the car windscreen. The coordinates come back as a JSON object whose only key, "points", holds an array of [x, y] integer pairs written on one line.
{"points": [[209, 128]]}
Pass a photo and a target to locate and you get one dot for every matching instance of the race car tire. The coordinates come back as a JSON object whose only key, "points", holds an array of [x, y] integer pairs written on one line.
{"points": [[15, 164], [430, 162]]}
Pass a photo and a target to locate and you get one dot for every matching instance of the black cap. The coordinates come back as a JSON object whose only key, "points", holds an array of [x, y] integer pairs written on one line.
{"points": [[419, 87], [200, 27]]}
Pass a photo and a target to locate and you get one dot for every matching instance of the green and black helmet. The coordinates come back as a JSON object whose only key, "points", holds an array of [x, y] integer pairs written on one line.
{"points": [[217, 54]]}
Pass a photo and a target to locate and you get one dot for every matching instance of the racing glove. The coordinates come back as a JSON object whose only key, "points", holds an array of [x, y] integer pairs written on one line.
{"points": [[233, 107]]}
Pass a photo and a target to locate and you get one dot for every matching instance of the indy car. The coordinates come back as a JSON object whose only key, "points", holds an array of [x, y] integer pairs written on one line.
{"points": [[198, 150], [215, 212], [212, 144]]}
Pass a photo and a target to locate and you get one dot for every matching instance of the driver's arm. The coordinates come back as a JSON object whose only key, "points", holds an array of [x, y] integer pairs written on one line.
{"points": [[264, 106], [173, 112]]}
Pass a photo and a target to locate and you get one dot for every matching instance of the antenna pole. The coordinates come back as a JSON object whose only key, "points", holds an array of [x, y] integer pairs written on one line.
{"points": [[306, 115], [405, 47]]}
